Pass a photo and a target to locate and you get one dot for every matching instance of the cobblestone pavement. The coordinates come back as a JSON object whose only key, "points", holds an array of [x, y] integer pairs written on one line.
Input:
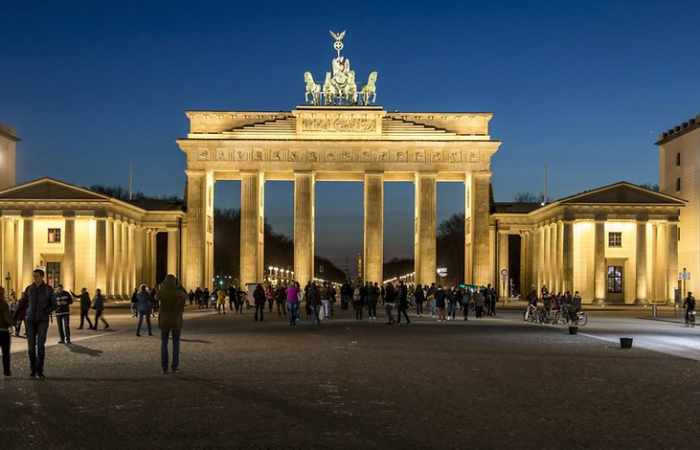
{"points": [[492, 383]]}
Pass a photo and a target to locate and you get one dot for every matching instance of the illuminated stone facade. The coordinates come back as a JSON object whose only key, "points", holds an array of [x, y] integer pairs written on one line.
{"points": [[615, 244], [84, 239], [336, 143], [8, 145], [679, 165]]}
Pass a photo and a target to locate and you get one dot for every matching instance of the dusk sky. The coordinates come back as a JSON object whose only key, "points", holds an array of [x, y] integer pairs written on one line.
{"points": [[585, 87]]}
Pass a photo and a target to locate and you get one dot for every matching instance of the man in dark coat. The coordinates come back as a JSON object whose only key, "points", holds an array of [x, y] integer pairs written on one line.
{"points": [[41, 302], [84, 307]]}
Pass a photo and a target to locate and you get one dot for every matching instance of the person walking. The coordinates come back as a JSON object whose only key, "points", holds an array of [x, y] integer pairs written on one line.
{"points": [[269, 297], [232, 298], [5, 333], [280, 298], [20, 316], [466, 302], [357, 302], [98, 304], [259, 297], [440, 303], [199, 295], [84, 307], [172, 306], [372, 300], [689, 305], [451, 295], [143, 307], [479, 300], [41, 302], [389, 303], [206, 298], [63, 302], [293, 303], [419, 295], [325, 300], [403, 302], [221, 301], [314, 299], [190, 297]]}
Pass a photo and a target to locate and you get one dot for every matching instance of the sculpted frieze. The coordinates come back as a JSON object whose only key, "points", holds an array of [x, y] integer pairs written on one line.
{"points": [[256, 154]]}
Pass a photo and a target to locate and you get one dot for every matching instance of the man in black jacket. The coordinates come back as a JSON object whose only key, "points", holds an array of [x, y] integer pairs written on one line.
{"points": [[41, 302], [63, 301], [84, 307]]}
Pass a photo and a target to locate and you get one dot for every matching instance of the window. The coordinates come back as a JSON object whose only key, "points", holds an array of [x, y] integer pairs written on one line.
{"points": [[54, 235], [615, 239], [678, 159], [614, 279], [678, 184]]}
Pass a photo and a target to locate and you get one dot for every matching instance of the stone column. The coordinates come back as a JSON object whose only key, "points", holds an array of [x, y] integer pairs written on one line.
{"points": [[546, 259], [27, 248], [567, 251], [672, 259], [138, 255], [109, 286], [200, 228], [425, 232], [252, 224], [304, 226], [172, 252], [101, 254], [69, 251], [554, 269], [478, 186], [537, 258], [117, 268], [11, 241], [374, 227], [599, 269], [524, 264], [153, 258], [503, 259], [642, 289]]}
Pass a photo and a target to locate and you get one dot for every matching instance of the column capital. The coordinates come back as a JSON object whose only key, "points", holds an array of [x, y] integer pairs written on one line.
{"points": [[69, 214], [642, 218], [600, 217], [28, 213]]}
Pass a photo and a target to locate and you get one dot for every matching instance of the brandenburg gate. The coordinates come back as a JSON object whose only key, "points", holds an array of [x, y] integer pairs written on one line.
{"points": [[339, 135]]}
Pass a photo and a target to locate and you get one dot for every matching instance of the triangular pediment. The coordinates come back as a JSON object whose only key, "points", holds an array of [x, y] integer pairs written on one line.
{"points": [[49, 189], [622, 193]]}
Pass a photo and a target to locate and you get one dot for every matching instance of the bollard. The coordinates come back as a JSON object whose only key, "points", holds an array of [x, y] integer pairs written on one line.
{"points": [[653, 311], [626, 342], [573, 330]]}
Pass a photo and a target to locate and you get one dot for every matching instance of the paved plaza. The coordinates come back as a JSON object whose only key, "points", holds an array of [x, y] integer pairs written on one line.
{"points": [[491, 383]]}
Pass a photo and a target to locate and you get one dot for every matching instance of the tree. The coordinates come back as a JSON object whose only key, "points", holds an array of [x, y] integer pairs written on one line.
{"points": [[650, 186], [527, 197]]}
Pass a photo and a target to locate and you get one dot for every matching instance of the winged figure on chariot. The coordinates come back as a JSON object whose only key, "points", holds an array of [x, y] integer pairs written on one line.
{"points": [[339, 86]]}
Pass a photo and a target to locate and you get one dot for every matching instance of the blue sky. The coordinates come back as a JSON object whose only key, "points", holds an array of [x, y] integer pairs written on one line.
{"points": [[582, 86]]}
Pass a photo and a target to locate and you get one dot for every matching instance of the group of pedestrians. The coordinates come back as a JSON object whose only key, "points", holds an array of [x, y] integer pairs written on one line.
{"points": [[40, 303], [550, 304]]}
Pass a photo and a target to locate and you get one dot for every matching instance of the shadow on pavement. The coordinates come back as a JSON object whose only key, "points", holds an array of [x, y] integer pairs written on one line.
{"points": [[196, 341], [82, 350]]}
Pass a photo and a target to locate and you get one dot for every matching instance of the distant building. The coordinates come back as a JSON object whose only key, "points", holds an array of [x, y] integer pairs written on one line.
{"points": [[679, 175], [85, 239], [8, 143], [614, 244]]}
